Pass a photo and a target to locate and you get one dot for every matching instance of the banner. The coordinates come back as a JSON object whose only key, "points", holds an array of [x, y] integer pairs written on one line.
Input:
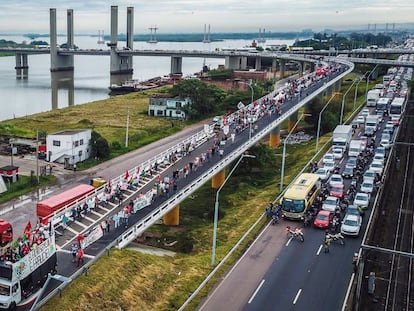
{"points": [[93, 235]]}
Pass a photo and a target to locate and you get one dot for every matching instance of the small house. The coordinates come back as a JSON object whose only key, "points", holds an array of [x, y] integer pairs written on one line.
{"points": [[10, 173], [68, 146], [166, 106]]}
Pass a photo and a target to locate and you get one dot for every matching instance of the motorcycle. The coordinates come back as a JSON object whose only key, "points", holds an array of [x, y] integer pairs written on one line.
{"points": [[307, 221], [336, 237], [296, 233], [275, 219]]}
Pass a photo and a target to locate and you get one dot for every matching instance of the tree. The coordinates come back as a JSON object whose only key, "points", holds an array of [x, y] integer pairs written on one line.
{"points": [[99, 146]]}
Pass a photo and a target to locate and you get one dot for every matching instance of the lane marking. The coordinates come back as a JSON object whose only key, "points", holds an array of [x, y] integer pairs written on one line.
{"points": [[256, 291], [319, 250], [297, 296], [288, 242]]}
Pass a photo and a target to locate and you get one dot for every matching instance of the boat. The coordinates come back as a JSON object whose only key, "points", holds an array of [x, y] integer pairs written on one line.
{"points": [[137, 86]]}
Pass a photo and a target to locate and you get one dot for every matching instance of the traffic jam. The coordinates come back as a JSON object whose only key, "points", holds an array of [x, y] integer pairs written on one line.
{"points": [[352, 171]]}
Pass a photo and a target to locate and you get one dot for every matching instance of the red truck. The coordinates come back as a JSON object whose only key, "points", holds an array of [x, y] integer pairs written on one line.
{"points": [[6, 232], [53, 204]]}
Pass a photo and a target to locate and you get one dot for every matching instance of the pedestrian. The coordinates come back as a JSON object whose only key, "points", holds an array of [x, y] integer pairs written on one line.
{"points": [[80, 255], [103, 226], [74, 167], [80, 238], [64, 222], [108, 224], [74, 250]]}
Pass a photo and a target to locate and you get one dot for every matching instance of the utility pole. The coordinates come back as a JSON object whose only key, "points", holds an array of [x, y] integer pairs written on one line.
{"points": [[37, 156], [127, 127]]}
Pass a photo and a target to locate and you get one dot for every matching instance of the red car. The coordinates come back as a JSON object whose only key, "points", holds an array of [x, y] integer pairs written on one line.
{"points": [[323, 219], [337, 190]]}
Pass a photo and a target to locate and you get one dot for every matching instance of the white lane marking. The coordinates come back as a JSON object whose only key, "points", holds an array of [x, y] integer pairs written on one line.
{"points": [[256, 291], [297, 296], [319, 250], [288, 242]]}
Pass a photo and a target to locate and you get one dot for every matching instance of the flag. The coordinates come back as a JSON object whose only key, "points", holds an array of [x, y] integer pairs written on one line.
{"points": [[126, 175], [28, 228]]}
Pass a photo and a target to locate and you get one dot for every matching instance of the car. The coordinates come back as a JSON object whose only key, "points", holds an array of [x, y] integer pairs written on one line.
{"points": [[364, 141], [352, 210], [351, 162], [337, 190], [323, 173], [370, 174], [328, 157], [361, 119], [351, 225], [330, 166], [330, 204], [389, 127], [355, 124], [380, 116], [338, 153], [348, 172], [361, 199], [378, 157], [335, 179], [395, 120], [381, 150], [364, 113], [367, 185], [377, 167], [323, 219]]}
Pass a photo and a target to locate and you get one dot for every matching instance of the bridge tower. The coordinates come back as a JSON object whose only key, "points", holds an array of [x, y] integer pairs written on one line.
{"points": [[121, 67], [274, 137], [60, 62], [172, 218], [22, 66]]}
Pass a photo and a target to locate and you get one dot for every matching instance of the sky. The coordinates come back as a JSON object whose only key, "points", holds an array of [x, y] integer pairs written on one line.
{"points": [[189, 16]]}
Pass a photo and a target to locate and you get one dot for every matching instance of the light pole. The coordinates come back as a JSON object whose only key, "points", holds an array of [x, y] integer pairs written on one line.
{"points": [[282, 172], [216, 206], [319, 120], [343, 102], [366, 88], [356, 91]]}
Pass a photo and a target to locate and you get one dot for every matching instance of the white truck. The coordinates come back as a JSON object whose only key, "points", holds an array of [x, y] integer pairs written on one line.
{"points": [[372, 97], [341, 136], [20, 281], [355, 148], [371, 124]]}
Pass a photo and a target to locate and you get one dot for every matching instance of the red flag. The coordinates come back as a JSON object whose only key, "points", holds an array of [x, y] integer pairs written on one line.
{"points": [[126, 175], [28, 228]]}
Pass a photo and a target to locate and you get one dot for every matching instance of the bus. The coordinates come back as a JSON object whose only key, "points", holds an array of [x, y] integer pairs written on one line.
{"points": [[396, 109], [299, 196]]}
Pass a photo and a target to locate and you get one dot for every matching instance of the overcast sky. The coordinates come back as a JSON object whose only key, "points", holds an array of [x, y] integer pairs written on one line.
{"points": [[187, 16]]}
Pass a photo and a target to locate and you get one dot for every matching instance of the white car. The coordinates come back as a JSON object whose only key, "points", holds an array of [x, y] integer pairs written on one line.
{"points": [[330, 166], [361, 119], [330, 204], [370, 174], [361, 199], [364, 113], [367, 185], [323, 173], [377, 167], [381, 150], [338, 153], [379, 157], [335, 179], [328, 157], [351, 225]]}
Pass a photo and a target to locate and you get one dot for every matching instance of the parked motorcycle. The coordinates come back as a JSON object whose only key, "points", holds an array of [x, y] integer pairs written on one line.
{"points": [[296, 233], [338, 237]]}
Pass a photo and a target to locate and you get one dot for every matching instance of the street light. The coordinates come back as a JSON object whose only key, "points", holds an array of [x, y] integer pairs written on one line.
{"points": [[284, 149], [356, 91], [319, 120], [343, 102], [216, 206], [366, 88]]}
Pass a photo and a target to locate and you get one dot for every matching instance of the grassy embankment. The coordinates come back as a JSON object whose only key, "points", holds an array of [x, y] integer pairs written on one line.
{"points": [[128, 280]]}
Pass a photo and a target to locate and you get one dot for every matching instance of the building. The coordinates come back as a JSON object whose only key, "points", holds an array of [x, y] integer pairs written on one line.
{"points": [[68, 146], [10, 173], [165, 106]]}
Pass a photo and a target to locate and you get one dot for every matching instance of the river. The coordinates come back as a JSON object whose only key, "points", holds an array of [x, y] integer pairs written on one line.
{"points": [[21, 97]]}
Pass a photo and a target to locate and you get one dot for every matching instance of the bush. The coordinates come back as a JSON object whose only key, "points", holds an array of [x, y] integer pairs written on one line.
{"points": [[116, 145]]}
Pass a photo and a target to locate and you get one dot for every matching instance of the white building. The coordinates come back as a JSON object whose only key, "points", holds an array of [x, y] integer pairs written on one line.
{"points": [[68, 146], [165, 106]]}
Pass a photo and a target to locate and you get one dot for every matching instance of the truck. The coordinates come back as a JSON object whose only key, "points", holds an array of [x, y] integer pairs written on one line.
{"points": [[6, 232], [342, 135], [371, 125], [53, 204], [355, 148], [21, 281], [372, 97]]}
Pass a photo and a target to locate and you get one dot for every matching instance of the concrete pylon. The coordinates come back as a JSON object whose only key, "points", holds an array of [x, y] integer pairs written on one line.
{"points": [[22, 66], [176, 65], [258, 63], [235, 62], [274, 65], [292, 121], [60, 62], [172, 218], [274, 137], [218, 179], [282, 64]]}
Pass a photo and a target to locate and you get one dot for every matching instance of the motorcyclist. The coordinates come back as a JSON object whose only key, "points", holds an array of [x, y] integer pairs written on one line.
{"points": [[328, 241], [269, 210]]}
